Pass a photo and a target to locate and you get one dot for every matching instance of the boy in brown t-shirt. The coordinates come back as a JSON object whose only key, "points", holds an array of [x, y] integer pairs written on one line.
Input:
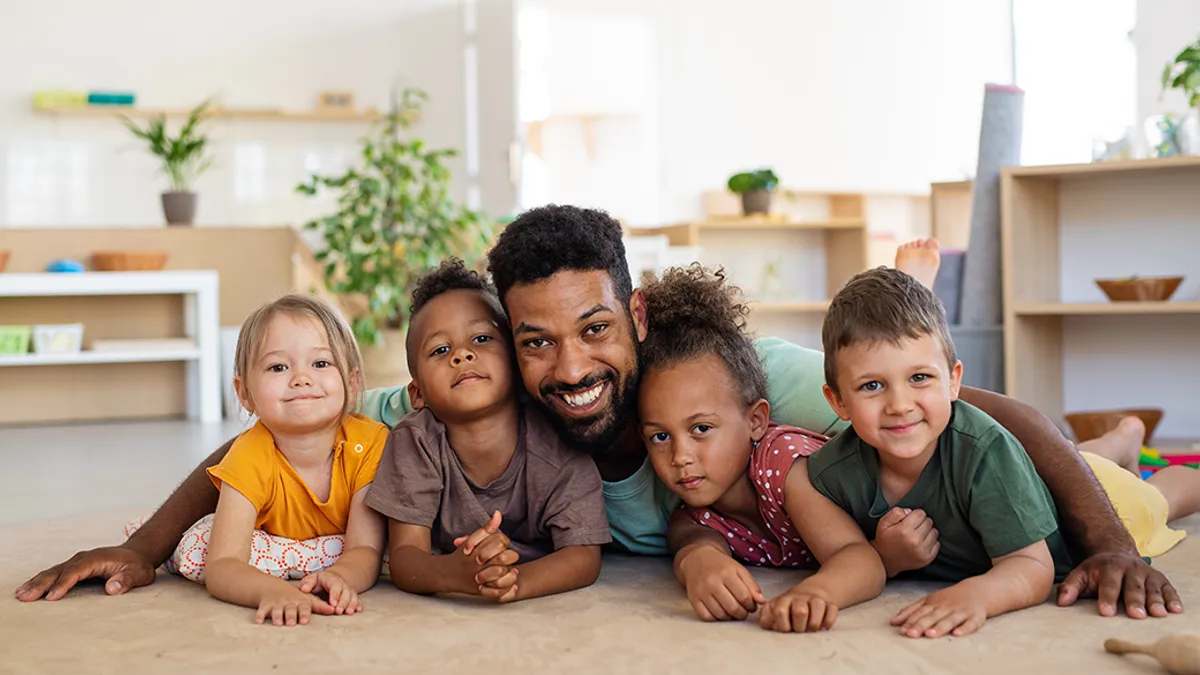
{"points": [[475, 482]]}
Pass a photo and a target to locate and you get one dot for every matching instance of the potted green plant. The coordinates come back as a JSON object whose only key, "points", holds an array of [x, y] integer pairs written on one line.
{"points": [[395, 219], [1183, 73], [183, 160], [755, 187]]}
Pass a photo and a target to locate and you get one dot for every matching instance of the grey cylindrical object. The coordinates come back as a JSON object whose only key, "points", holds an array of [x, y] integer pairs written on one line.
{"points": [[999, 145], [947, 286], [179, 207]]}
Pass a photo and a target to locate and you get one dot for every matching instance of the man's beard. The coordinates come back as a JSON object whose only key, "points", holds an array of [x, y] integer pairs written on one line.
{"points": [[597, 434]]}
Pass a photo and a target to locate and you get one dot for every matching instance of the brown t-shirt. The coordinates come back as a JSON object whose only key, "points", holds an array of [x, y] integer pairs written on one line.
{"points": [[550, 496]]}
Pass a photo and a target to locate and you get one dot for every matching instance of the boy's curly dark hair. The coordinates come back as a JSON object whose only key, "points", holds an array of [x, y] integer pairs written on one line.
{"points": [[693, 311], [452, 275], [552, 238]]}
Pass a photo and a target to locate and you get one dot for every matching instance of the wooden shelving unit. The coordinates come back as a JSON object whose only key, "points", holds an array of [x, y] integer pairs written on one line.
{"points": [[265, 114], [1068, 348], [950, 213]]}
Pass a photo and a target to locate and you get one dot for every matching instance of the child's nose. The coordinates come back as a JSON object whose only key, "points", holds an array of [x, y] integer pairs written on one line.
{"points": [[682, 454], [463, 355]]}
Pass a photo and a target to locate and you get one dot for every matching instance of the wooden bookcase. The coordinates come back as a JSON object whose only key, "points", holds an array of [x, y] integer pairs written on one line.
{"points": [[1067, 347]]}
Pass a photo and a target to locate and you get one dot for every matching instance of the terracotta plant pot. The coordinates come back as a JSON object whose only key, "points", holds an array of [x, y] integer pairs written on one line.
{"points": [[179, 207], [756, 201]]}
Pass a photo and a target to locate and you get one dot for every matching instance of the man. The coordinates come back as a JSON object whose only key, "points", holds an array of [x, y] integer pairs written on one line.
{"points": [[577, 324]]}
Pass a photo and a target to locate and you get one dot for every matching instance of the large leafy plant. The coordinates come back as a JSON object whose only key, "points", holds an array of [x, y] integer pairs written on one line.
{"points": [[183, 156], [395, 219], [1183, 73]]}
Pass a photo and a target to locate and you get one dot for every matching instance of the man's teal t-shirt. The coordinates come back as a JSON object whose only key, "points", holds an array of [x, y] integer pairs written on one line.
{"points": [[639, 507]]}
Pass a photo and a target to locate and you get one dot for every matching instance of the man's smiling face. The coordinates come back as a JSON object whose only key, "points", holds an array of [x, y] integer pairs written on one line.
{"points": [[576, 347]]}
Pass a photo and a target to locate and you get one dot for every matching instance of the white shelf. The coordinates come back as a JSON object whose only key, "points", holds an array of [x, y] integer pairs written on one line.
{"points": [[87, 356], [105, 283], [1106, 308]]}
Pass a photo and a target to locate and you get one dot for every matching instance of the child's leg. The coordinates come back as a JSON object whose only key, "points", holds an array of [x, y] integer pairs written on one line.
{"points": [[1181, 486], [1122, 446]]}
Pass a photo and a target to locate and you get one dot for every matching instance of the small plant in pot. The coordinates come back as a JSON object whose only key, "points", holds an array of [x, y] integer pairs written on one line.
{"points": [[395, 219], [183, 158], [755, 187]]}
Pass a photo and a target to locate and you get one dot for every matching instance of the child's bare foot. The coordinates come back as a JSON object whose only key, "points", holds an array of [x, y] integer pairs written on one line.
{"points": [[1122, 445], [920, 259]]}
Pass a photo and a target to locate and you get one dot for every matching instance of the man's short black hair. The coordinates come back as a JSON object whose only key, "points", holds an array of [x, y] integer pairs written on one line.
{"points": [[452, 275], [553, 238]]}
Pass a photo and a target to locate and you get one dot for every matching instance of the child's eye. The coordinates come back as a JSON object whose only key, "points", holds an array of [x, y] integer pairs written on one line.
{"points": [[660, 437], [480, 339], [702, 428], [873, 385], [920, 377], [276, 368], [322, 364], [438, 351]]}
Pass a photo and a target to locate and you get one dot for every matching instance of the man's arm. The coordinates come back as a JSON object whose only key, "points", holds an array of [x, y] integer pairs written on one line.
{"points": [[1087, 515], [132, 564]]}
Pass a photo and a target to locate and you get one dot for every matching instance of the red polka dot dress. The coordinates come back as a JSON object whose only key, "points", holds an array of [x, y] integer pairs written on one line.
{"points": [[770, 462]]}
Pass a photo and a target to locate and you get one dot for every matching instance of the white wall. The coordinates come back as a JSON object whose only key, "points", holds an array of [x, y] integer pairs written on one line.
{"points": [[1163, 28], [76, 171], [865, 95]]}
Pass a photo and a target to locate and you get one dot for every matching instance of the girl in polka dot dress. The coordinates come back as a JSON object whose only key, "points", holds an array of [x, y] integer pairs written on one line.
{"points": [[742, 478]]}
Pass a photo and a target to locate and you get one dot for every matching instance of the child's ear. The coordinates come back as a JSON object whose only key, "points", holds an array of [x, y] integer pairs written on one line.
{"points": [[955, 380], [836, 402], [759, 416], [415, 397], [243, 394], [637, 309]]}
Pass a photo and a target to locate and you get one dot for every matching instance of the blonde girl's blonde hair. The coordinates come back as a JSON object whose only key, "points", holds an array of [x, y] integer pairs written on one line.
{"points": [[346, 355]]}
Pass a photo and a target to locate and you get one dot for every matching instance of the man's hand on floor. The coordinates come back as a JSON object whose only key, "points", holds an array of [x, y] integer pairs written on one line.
{"points": [[1106, 575], [122, 567]]}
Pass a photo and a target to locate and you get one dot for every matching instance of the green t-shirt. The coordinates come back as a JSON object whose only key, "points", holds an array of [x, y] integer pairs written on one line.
{"points": [[639, 507], [980, 488]]}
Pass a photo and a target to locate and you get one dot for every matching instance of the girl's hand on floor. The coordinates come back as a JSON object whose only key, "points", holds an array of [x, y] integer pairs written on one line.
{"points": [[719, 587], [798, 612], [342, 597], [950, 611], [290, 607]]}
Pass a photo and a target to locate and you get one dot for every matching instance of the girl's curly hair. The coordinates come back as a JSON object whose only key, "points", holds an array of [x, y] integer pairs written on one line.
{"points": [[693, 311]]}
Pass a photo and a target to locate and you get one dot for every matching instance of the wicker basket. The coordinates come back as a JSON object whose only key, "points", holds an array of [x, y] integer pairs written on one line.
{"points": [[128, 261], [3, 260], [1139, 289], [15, 339], [1095, 423]]}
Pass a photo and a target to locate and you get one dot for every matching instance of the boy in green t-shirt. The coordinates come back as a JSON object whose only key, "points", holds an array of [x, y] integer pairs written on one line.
{"points": [[891, 370]]}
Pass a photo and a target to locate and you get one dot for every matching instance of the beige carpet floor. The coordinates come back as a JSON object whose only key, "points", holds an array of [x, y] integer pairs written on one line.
{"points": [[634, 620]]}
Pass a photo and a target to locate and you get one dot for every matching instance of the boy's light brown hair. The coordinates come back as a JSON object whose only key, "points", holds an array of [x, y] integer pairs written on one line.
{"points": [[346, 355], [882, 304]]}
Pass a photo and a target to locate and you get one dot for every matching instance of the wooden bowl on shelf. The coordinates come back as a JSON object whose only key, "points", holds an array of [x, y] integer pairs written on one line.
{"points": [[1139, 289], [128, 261], [1095, 423], [3, 260]]}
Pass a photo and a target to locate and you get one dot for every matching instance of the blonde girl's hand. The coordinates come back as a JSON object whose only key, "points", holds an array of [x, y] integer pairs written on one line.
{"points": [[290, 607], [342, 597], [798, 611]]}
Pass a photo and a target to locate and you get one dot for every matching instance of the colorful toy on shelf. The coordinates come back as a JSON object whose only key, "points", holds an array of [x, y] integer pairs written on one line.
{"points": [[65, 265], [122, 98]]}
